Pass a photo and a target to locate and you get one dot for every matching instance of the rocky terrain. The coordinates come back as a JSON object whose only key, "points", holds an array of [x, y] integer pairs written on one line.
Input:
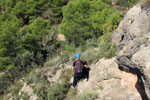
{"points": [[105, 79], [110, 83], [124, 77], [132, 38]]}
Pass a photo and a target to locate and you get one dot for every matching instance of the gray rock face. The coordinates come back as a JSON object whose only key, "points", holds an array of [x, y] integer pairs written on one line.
{"points": [[132, 38], [110, 83]]}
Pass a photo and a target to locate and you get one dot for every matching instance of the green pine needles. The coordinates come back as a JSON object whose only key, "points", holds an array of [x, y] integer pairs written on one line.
{"points": [[84, 19]]}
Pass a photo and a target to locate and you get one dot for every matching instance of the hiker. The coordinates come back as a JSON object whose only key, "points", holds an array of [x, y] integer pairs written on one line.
{"points": [[79, 70]]}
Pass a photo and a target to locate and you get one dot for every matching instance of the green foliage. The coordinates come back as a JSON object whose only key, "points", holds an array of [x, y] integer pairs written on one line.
{"points": [[15, 37], [33, 7], [127, 3], [57, 60], [15, 89], [33, 38], [107, 48], [133, 2], [15, 93], [25, 36], [71, 94], [107, 1], [102, 48], [8, 41], [91, 43], [88, 96], [24, 96], [25, 59], [83, 19], [52, 91], [57, 91], [20, 9]]}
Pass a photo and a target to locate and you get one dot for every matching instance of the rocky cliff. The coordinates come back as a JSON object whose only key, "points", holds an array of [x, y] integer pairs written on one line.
{"points": [[132, 38], [109, 82]]}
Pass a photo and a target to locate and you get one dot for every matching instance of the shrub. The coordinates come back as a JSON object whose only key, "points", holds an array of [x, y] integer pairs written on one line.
{"points": [[88, 96], [8, 41], [106, 48], [89, 56], [127, 3], [102, 48], [55, 62], [25, 96], [53, 91], [71, 94], [57, 91]]}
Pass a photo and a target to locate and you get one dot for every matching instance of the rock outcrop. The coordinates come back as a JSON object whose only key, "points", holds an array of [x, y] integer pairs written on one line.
{"points": [[105, 79], [132, 38], [27, 89], [109, 82]]}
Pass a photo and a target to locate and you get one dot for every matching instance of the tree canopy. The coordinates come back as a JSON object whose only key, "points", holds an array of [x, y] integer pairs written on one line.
{"points": [[84, 19], [25, 26]]}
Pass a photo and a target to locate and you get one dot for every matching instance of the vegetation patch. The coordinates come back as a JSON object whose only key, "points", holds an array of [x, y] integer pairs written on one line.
{"points": [[84, 19], [88, 96], [53, 91]]}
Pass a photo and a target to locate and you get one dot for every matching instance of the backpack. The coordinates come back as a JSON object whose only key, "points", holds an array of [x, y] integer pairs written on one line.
{"points": [[78, 66]]}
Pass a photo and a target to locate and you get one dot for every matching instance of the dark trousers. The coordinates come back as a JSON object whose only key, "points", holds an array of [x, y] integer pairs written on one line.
{"points": [[78, 76]]}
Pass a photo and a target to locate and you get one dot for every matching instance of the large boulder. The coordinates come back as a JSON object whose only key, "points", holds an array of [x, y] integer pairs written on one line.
{"points": [[110, 83], [132, 38]]}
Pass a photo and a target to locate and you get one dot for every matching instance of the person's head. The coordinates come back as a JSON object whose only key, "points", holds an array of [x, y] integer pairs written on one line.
{"points": [[77, 56]]}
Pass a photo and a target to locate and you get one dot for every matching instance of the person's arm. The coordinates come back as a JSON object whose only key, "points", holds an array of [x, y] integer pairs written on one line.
{"points": [[85, 64]]}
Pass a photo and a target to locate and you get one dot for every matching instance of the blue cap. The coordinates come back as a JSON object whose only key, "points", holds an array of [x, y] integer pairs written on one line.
{"points": [[77, 55]]}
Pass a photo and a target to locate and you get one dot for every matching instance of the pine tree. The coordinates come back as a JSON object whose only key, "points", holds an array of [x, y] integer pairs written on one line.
{"points": [[84, 19]]}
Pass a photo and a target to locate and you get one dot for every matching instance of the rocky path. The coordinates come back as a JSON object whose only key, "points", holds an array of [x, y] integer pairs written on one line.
{"points": [[105, 79], [109, 82]]}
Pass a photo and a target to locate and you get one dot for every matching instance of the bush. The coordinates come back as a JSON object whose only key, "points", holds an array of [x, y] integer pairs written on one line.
{"points": [[8, 41], [89, 56], [57, 91], [52, 91], [110, 50], [91, 43], [88, 96], [102, 48], [25, 59], [55, 62], [71, 94], [127, 3], [13, 92], [14, 89], [24, 96]]}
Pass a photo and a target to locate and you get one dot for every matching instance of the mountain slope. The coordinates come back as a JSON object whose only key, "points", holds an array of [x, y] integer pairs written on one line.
{"points": [[109, 83]]}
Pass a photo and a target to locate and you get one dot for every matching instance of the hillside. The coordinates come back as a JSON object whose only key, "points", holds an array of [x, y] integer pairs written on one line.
{"points": [[38, 41], [109, 83]]}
